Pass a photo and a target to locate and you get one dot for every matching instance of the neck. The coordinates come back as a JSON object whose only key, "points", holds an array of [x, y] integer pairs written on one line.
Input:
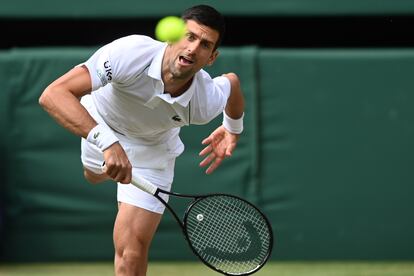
{"points": [[175, 87]]}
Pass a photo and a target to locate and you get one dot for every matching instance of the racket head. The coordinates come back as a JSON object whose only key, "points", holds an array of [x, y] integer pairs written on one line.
{"points": [[228, 234]]}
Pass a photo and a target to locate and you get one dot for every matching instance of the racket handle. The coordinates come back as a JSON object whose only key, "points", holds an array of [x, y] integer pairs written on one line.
{"points": [[140, 183], [143, 184]]}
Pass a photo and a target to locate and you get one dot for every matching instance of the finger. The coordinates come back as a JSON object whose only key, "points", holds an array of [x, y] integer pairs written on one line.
{"points": [[115, 170], [109, 169], [125, 179], [120, 177], [128, 177], [214, 165], [124, 173], [206, 150], [113, 173], [207, 140], [230, 149], [210, 139], [207, 160]]}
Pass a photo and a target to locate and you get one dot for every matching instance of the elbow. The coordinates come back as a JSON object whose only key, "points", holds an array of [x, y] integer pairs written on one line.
{"points": [[42, 99], [233, 78], [45, 98]]}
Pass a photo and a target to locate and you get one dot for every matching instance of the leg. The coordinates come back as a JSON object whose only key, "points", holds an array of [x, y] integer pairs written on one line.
{"points": [[133, 232]]}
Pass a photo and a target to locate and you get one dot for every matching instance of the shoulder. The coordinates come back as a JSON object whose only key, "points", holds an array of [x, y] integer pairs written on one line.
{"points": [[131, 54], [209, 98], [137, 44], [137, 40], [206, 83], [203, 79]]}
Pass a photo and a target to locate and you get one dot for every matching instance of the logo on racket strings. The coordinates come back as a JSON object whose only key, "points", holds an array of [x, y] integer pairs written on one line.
{"points": [[247, 246]]}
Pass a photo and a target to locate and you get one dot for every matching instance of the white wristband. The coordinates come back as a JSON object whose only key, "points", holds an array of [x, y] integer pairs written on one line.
{"points": [[233, 125], [102, 137]]}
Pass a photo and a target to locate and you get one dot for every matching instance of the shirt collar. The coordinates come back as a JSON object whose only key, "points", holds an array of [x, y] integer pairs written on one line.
{"points": [[154, 70], [184, 98]]}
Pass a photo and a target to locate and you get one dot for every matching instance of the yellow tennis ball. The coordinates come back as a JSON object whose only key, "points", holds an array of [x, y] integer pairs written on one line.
{"points": [[170, 29]]}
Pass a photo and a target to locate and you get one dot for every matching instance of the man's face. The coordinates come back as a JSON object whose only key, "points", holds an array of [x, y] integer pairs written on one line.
{"points": [[194, 51]]}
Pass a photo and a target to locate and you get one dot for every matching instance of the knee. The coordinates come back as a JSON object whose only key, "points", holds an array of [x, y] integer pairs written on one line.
{"points": [[131, 259], [132, 250]]}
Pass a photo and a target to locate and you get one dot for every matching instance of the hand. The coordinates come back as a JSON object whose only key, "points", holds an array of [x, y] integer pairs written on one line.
{"points": [[220, 145], [117, 165]]}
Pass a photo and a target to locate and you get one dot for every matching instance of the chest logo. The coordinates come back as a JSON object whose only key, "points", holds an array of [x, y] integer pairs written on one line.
{"points": [[176, 118]]}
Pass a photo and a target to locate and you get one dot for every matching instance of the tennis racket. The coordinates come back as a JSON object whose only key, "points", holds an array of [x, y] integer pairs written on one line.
{"points": [[227, 233]]}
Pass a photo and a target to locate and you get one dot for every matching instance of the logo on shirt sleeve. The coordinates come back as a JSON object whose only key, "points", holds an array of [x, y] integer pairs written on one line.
{"points": [[105, 75]]}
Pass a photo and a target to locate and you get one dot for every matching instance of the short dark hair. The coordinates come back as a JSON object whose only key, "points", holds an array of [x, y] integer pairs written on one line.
{"points": [[207, 16]]}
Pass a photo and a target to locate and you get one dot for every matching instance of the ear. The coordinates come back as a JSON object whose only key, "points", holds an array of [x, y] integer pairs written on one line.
{"points": [[213, 57]]}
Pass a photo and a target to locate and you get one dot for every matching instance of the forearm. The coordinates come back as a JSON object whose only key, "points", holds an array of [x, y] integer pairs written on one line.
{"points": [[235, 103], [66, 109], [61, 100]]}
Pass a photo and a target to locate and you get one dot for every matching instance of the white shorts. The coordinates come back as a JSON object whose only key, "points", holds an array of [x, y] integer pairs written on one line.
{"points": [[152, 162]]}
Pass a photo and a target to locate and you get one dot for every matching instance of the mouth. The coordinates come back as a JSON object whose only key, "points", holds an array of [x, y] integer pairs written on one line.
{"points": [[185, 60]]}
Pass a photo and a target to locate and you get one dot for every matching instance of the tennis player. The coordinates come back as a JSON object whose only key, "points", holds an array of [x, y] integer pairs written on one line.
{"points": [[128, 102]]}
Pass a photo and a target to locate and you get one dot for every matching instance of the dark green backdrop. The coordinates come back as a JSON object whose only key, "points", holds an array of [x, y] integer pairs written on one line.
{"points": [[327, 153], [135, 8]]}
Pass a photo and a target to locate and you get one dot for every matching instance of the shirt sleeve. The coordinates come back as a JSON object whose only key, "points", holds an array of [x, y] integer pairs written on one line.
{"points": [[223, 84], [99, 66], [212, 101], [119, 61]]}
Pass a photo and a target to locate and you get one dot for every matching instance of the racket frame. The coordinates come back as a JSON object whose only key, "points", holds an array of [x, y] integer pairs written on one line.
{"points": [[190, 206], [154, 190]]}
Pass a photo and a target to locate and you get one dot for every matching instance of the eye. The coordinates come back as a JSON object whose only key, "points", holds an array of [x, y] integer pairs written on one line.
{"points": [[206, 45], [190, 37]]}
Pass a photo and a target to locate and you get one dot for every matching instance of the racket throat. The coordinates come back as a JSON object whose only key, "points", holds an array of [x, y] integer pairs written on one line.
{"points": [[177, 219]]}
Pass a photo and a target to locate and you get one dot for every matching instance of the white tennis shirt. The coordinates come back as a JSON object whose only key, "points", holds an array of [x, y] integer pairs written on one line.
{"points": [[128, 93]]}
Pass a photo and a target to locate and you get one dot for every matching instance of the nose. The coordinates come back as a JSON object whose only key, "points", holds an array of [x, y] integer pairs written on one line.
{"points": [[192, 47]]}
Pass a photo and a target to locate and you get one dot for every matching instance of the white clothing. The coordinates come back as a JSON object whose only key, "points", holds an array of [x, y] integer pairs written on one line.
{"points": [[133, 101], [148, 161], [128, 95]]}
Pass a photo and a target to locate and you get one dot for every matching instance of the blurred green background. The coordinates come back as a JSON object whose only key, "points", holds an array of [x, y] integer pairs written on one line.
{"points": [[326, 153]]}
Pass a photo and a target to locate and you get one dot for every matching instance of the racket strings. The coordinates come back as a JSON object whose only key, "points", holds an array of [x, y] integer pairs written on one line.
{"points": [[229, 234]]}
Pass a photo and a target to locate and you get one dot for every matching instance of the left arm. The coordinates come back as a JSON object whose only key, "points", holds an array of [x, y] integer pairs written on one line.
{"points": [[235, 103], [221, 143]]}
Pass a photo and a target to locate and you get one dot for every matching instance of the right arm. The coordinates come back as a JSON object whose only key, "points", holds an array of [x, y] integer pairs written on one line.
{"points": [[61, 99]]}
